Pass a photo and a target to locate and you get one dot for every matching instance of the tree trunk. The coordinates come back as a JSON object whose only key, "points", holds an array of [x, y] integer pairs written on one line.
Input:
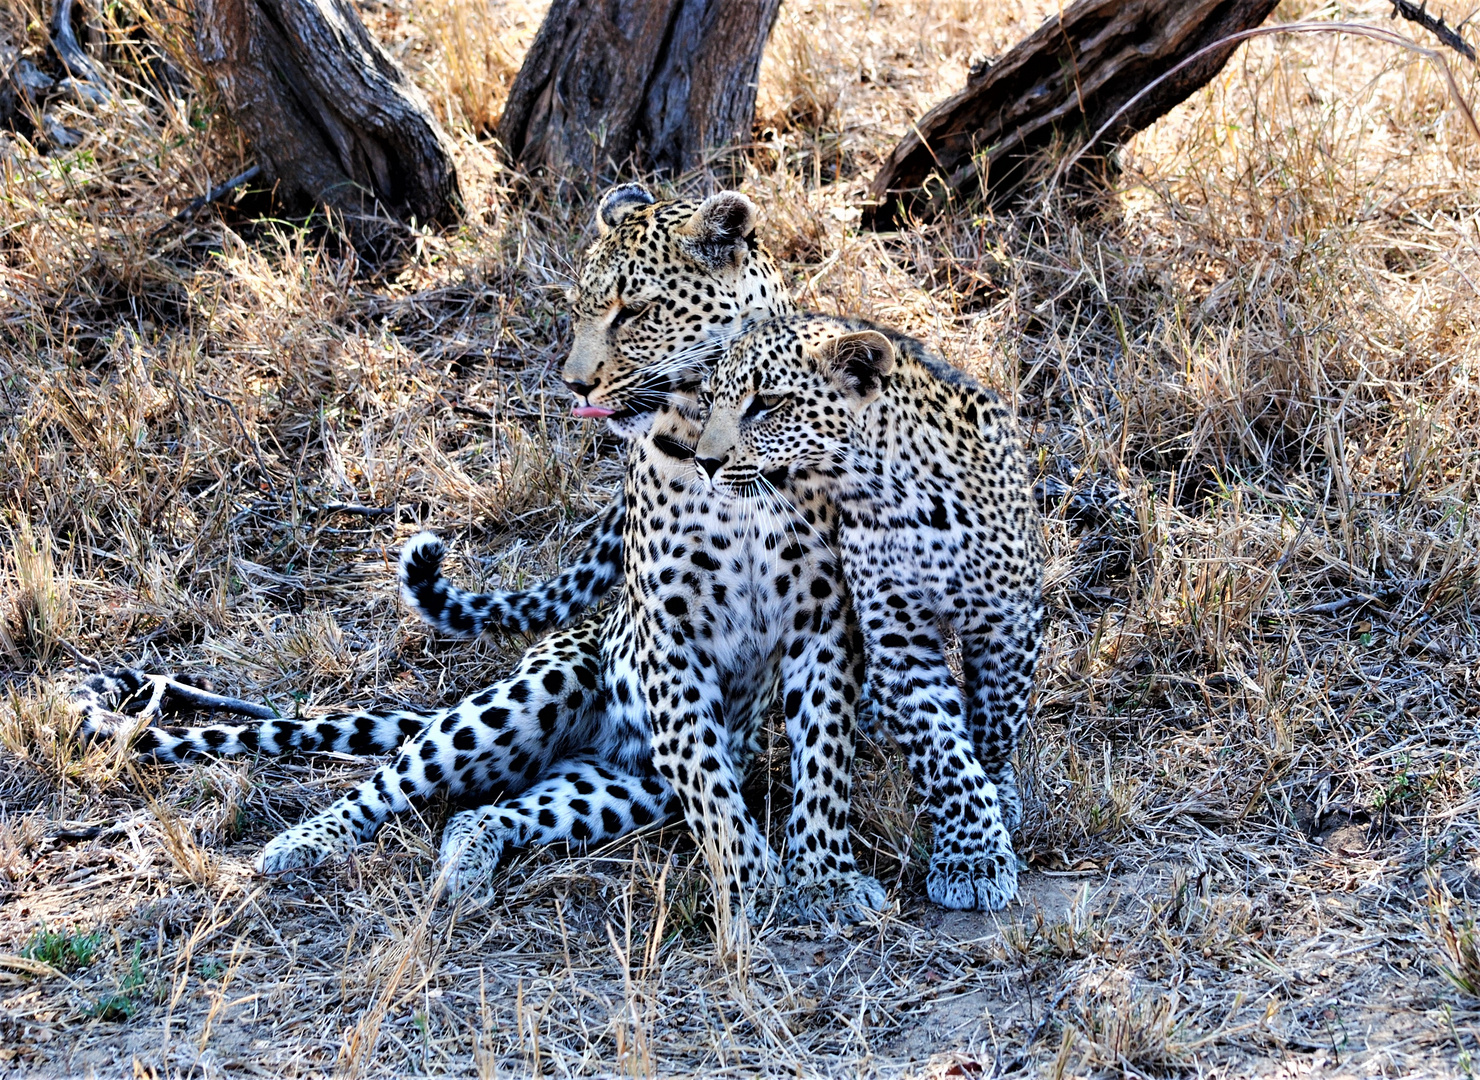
{"points": [[657, 81], [334, 121], [1070, 76]]}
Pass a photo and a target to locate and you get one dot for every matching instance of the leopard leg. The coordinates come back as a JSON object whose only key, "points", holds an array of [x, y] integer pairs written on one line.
{"points": [[113, 703], [691, 751], [583, 800], [998, 666], [972, 864], [821, 673], [500, 740]]}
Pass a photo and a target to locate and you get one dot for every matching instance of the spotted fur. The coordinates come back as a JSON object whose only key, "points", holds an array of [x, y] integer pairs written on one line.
{"points": [[662, 290], [118, 703], [937, 527], [457, 613], [656, 704]]}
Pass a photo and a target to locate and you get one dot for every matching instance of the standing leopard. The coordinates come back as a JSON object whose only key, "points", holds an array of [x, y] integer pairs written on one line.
{"points": [[656, 704], [928, 475]]}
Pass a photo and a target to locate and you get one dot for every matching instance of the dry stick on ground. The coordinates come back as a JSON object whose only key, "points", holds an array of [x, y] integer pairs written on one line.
{"points": [[165, 692], [217, 193], [1071, 73], [332, 119]]}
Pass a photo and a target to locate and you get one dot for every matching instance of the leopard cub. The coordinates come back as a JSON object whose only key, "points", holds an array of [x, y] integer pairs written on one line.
{"points": [[936, 526]]}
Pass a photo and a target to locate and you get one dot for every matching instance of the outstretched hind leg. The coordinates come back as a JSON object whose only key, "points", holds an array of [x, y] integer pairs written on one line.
{"points": [[114, 704], [500, 740]]}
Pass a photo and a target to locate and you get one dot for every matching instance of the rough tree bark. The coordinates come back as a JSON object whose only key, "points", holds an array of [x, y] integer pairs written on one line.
{"points": [[334, 121], [1069, 76], [660, 81]]}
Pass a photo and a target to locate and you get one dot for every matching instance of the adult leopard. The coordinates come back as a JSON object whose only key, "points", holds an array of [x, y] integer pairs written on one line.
{"points": [[930, 480], [604, 722]]}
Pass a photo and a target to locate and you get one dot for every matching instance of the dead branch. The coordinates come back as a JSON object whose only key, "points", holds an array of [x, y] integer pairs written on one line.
{"points": [[1434, 24]]}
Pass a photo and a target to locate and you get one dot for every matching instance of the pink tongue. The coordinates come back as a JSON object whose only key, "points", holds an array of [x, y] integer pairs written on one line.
{"points": [[591, 412]]}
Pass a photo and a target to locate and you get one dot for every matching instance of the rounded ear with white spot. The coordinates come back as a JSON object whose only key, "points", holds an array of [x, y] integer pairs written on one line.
{"points": [[620, 201], [857, 364], [717, 234]]}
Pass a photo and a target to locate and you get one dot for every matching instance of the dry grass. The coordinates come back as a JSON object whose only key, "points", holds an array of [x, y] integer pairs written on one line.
{"points": [[1248, 366]]}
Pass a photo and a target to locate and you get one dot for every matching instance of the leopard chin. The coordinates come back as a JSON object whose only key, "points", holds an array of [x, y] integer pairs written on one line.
{"points": [[745, 485], [630, 424]]}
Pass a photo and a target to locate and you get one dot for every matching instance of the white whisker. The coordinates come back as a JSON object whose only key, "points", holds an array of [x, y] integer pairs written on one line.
{"points": [[794, 515], [684, 358]]}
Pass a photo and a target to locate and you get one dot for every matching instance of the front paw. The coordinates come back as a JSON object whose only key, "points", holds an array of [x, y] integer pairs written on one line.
{"points": [[849, 896], [985, 882], [303, 846], [473, 847]]}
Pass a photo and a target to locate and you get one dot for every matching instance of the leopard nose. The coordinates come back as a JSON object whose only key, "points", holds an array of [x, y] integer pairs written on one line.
{"points": [[712, 465], [581, 389]]}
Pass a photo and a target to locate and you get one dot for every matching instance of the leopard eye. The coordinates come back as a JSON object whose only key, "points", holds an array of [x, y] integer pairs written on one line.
{"points": [[763, 404], [628, 313]]}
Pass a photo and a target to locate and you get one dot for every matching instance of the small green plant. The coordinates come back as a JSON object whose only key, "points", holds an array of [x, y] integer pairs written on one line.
{"points": [[113, 1007], [690, 909], [1405, 786], [122, 1004], [210, 968], [65, 950]]}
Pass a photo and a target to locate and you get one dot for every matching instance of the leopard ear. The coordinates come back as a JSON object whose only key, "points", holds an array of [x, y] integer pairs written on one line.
{"points": [[617, 203], [857, 364], [719, 232]]}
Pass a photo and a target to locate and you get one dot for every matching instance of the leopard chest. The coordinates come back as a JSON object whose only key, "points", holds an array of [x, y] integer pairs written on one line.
{"points": [[722, 578]]}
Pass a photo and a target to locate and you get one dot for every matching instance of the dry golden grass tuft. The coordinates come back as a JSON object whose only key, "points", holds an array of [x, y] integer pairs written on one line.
{"points": [[1247, 365]]}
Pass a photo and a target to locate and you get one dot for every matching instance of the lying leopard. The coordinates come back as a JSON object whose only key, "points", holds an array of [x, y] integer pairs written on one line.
{"points": [[929, 478], [657, 704]]}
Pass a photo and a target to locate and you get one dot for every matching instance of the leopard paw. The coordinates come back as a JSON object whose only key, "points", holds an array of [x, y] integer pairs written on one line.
{"points": [[110, 699], [985, 882], [303, 846], [473, 847], [849, 896]]}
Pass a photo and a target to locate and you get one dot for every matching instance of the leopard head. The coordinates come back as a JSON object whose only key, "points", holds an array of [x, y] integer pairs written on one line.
{"points": [[663, 288], [786, 396]]}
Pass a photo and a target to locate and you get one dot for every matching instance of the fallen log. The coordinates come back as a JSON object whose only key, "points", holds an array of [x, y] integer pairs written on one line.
{"points": [[1068, 78]]}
